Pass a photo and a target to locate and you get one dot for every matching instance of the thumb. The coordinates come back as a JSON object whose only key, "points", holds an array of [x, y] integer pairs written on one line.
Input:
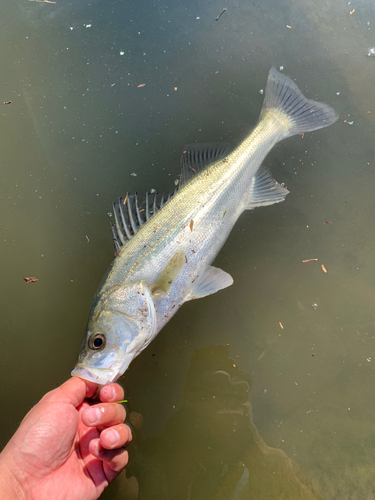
{"points": [[73, 391]]}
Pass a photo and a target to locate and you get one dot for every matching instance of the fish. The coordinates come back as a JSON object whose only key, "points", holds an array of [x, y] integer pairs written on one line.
{"points": [[164, 247]]}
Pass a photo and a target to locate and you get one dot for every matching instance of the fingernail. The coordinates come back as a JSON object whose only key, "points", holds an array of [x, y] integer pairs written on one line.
{"points": [[93, 415], [113, 436], [109, 392]]}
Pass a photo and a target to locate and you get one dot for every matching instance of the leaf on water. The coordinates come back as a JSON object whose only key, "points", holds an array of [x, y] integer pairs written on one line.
{"points": [[191, 225]]}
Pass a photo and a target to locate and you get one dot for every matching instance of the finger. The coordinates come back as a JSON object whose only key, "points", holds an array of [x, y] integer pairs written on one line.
{"points": [[111, 392], [90, 388], [115, 437], [73, 391], [103, 415], [115, 460]]}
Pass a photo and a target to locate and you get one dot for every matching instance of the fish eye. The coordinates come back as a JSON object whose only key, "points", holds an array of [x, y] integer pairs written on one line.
{"points": [[97, 341]]}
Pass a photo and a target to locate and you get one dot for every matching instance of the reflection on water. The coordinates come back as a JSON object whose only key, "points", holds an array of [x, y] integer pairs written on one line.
{"points": [[294, 418], [224, 457]]}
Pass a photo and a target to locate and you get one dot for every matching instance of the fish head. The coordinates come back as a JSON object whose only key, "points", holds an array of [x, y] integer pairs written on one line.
{"points": [[121, 325]]}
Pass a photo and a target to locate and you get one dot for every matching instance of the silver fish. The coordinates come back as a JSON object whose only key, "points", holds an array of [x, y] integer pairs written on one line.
{"points": [[164, 249]]}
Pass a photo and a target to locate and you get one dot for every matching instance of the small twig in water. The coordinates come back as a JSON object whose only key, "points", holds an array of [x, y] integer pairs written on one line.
{"points": [[221, 13]]}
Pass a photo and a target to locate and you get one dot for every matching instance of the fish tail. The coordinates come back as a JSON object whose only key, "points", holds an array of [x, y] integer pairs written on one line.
{"points": [[304, 115]]}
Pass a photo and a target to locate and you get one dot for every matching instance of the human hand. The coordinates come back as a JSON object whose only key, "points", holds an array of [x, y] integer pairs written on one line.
{"points": [[64, 448]]}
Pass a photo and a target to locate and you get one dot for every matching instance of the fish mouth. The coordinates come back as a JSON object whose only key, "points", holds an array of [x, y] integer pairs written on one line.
{"points": [[99, 376]]}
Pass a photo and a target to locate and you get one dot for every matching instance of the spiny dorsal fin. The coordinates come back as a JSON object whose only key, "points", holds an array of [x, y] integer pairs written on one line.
{"points": [[196, 157], [129, 217], [265, 190]]}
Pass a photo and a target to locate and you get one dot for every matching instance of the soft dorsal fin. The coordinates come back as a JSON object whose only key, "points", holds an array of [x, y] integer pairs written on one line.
{"points": [[129, 217], [265, 190], [196, 157]]}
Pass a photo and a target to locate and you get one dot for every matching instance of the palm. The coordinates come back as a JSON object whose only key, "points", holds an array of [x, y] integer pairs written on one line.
{"points": [[57, 452]]}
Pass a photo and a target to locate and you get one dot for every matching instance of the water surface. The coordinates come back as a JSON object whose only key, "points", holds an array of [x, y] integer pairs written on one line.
{"points": [[264, 390]]}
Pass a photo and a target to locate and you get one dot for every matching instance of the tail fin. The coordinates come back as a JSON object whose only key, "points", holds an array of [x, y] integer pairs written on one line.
{"points": [[304, 114]]}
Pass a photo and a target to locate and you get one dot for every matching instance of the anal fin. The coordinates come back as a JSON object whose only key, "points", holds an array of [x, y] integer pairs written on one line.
{"points": [[265, 190], [210, 281]]}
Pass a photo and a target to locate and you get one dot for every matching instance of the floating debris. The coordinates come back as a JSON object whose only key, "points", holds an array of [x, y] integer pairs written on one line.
{"points": [[87, 238], [324, 269], [281, 325], [260, 357], [7, 102], [309, 260], [261, 91], [371, 52], [221, 13], [191, 225], [133, 174], [281, 68], [32, 279], [141, 85], [288, 26]]}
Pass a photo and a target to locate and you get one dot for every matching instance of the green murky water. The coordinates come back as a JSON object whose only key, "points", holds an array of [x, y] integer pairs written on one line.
{"points": [[228, 405]]}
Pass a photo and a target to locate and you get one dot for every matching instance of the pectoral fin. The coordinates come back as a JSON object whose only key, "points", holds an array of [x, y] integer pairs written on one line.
{"points": [[170, 273], [210, 281]]}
